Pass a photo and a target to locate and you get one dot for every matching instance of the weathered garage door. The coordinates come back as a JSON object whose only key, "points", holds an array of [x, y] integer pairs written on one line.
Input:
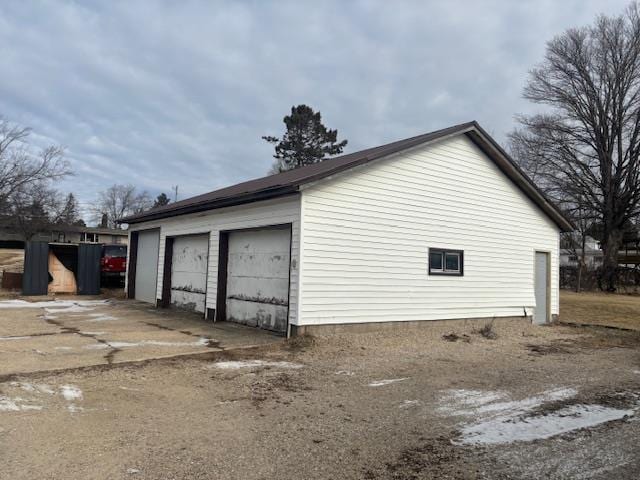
{"points": [[147, 265], [189, 272], [258, 278]]}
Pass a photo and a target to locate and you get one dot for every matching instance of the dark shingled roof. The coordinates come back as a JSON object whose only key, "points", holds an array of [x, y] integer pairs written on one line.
{"points": [[288, 183]]}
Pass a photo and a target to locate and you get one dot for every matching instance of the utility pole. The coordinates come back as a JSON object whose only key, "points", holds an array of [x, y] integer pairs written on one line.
{"points": [[175, 192]]}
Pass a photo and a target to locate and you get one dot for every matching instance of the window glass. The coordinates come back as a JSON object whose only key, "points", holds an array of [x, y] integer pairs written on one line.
{"points": [[435, 260], [115, 251], [452, 262]]}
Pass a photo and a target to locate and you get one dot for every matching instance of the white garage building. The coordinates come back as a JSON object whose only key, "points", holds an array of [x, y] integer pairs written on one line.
{"points": [[439, 226]]}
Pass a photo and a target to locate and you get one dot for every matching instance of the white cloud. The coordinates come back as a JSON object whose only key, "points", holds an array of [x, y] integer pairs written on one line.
{"points": [[159, 93]]}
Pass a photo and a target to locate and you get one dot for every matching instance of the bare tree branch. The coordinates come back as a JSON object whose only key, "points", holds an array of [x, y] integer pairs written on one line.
{"points": [[585, 152]]}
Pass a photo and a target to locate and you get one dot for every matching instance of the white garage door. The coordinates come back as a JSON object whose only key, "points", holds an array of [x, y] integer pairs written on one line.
{"points": [[147, 266], [258, 278], [189, 272]]}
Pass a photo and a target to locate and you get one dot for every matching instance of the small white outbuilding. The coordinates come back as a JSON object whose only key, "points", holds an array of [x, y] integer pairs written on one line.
{"points": [[439, 226]]}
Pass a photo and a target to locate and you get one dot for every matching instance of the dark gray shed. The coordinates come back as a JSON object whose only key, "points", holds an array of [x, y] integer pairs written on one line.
{"points": [[82, 259]]}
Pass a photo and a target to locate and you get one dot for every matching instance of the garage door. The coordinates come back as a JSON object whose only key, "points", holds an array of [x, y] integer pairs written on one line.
{"points": [[258, 278], [147, 265], [189, 272]]}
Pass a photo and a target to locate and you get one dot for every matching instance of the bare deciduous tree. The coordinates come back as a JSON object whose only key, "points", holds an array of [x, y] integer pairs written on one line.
{"points": [[20, 165], [118, 201], [33, 208], [587, 149], [28, 203], [584, 220]]}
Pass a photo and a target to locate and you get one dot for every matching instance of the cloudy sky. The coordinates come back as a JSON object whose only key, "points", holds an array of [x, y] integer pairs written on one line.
{"points": [[164, 93]]}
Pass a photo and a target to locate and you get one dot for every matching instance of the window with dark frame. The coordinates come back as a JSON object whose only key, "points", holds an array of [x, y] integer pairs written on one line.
{"points": [[444, 261]]}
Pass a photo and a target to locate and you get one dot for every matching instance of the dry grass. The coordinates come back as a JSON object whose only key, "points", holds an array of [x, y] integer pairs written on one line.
{"points": [[611, 310], [11, 259]]}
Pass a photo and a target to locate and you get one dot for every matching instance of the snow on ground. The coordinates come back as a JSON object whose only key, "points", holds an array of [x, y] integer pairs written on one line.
{"points": [[14, 338], [61, 305], [409, 403], [232, 365], [510, 428], [498, 419], [201, 342], [33, 387], [71, 392], [69, 309], [475, 402], [101, 317], [16, 404], [382, 383]]}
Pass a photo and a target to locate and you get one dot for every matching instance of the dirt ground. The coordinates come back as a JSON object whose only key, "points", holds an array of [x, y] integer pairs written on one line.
{"points": [[535, 402], [604, 309]]}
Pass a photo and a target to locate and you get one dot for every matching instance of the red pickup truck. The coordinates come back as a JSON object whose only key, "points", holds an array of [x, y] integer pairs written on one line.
{"points": [[113, 264]]}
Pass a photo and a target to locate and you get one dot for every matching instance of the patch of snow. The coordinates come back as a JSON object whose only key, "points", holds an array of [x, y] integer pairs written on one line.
{"points": [[92, 333], [132, 471], [409, 403], [14, 338], [99, 317], [637, 372], [98, 346], [48, 304], [63, 348], [73, 408], [511, 428], [16, 404], [69, 309], [232, 365], [33, 387], [381, 383], [55, 306], [476, 402], [71, 393], [345, 372]]}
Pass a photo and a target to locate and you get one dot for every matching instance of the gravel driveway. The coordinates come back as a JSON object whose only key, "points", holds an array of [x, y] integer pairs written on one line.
{"points": [[537, 402]]}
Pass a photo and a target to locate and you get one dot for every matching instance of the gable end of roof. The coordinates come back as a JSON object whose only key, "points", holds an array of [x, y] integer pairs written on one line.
{"points": [[289, 183]]}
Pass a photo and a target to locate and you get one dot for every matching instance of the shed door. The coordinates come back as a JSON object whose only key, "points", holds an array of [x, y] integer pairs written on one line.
{"points": [[541, 288], [258, 278], [189, 271], [147, 265]]}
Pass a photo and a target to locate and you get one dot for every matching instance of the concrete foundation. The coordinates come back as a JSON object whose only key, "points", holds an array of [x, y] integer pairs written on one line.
{"points": [[332, 329]]}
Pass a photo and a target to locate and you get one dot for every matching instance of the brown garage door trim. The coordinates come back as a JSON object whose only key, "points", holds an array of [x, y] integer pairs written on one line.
{"points": [[220, 314]]}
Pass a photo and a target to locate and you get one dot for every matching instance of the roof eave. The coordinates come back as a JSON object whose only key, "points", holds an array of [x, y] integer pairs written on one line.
{"points": [[212, 205]]}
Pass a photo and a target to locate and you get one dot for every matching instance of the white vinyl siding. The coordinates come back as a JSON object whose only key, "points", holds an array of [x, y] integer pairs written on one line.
{"points": [[367, 234], [265, 213]]}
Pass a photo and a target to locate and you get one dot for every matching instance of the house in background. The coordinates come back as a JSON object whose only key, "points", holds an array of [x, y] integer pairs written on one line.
{"points": [[65, 234], [570, 257], [435, 227]]}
